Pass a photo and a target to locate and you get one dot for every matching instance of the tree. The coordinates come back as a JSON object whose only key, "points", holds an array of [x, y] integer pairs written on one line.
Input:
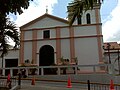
{"points": [[76, 8], [13, 6], [7, 28]]}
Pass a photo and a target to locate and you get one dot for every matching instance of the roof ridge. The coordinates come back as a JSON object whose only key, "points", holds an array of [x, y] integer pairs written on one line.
{"points": [[42, 16]]}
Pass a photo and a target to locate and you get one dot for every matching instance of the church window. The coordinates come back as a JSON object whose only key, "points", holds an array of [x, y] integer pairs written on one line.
{"points": [[88, 18], [46, 34]]}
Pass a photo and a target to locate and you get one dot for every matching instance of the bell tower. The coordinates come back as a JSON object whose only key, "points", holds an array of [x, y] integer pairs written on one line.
{"points": [[91, 16]]}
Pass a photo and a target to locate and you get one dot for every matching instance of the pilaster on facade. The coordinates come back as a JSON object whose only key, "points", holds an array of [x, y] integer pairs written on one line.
{"points": [[34, 46], [58, 45], [21, 56], [99, 39], [72, 46]]}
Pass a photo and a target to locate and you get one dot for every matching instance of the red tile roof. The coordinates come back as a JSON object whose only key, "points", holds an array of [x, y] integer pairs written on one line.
{"points": [[111, 45]]}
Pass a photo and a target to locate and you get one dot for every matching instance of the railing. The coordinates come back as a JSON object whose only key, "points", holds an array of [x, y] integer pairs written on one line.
{"points": [[59, 70], [98, 86], [5, 84]]}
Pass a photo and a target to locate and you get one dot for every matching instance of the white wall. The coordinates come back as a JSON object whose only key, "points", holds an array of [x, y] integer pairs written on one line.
{"points": [[46, 23], [84, 30], [86, 51], [12, 54], [28, 35], [92, 16], [64, 32], [65, 48], [52, 33], [40, 34], [83, 45], [28, 50], [46, 42]]}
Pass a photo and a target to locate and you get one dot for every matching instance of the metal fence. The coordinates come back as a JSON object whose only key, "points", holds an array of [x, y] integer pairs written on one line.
{"points": [[59, 70], [98, 86], [4, 84]]}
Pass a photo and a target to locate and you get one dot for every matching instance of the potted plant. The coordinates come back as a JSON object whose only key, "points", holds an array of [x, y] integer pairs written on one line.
{"points": [[64, 62]]}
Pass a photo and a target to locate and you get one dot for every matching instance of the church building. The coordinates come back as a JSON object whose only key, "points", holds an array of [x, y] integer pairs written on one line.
{"points": [[48, 39]]}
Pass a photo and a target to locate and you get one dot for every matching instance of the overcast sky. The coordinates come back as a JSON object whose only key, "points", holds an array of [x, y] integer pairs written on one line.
{"points": [[110, 15]]}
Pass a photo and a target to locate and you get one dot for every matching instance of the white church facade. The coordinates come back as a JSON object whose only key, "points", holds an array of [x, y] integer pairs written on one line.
{"points": [[47, 39]]}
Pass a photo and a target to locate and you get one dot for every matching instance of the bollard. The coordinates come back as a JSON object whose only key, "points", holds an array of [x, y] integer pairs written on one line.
{"points": [[88, 82]]}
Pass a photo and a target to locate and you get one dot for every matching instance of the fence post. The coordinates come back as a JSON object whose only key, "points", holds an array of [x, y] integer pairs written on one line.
{"points": [[88, 82], [11, 72], [42, 72], [76, 70], [3, 71], [58, 70], [27, 72], [19, 79], [94, 69]]}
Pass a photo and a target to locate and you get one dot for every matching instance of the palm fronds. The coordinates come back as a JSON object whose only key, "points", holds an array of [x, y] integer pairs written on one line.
{"points": [[77, 7], [8, 31]]}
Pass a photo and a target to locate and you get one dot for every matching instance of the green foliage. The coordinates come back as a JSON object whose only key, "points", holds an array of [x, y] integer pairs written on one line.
{"points": [[76, 60], [22, 65], [64, 61], [8, 29], [13, 6]]}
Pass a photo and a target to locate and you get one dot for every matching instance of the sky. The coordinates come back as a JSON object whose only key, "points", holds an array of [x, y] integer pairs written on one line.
{"points": [[110, 16]]}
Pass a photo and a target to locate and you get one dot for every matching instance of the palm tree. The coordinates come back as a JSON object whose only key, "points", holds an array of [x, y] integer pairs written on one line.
{"points": [[8, 31], [76, 8]]}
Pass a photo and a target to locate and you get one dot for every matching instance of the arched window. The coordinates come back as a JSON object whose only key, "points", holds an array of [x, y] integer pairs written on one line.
{"points": [[88, 18]]}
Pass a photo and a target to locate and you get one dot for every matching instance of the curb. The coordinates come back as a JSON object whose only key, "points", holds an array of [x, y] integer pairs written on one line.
{"points": [[50, 80], [16, 87]]}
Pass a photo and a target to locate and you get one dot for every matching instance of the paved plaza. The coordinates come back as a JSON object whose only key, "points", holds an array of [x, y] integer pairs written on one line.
{"points": [[40, 87], [45, 85]]}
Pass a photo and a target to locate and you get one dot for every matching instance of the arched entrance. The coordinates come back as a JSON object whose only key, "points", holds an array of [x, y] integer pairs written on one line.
{"points": [[46, 55], [46, 58]]}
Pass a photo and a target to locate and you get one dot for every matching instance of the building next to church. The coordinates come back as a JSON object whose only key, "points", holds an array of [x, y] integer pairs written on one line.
{"points": [[112, 55], [47, 39]]}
